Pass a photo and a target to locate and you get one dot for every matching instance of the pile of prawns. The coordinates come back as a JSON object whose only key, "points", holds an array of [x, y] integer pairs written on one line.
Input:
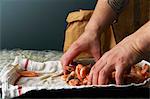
{"points": [[77, 75]]}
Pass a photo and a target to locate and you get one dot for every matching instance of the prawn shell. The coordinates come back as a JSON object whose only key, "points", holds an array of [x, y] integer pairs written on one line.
{"points": [[28, 74], [70, 68], [84, 71], [74, 82], [64, 77], [145, 69], [77, 71], [85, 81], [70, 76]]}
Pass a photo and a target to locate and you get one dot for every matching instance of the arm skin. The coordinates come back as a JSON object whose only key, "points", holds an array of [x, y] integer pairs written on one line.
{"points": [[128, 52], [142, 40], [103, 15], [106, 11], [89, 41]]}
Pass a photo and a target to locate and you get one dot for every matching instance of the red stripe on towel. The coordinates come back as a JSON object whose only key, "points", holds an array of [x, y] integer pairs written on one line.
{"points": [[20, 90], [26, 64]]}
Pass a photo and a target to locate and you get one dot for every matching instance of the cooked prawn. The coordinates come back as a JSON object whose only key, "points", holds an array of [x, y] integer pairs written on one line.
{"points": [[74, 82], [28, 74], [77, 71], [70, 76]]}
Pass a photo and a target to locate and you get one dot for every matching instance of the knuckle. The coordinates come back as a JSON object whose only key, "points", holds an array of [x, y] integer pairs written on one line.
{"points": [[121, 60], [109, 62], [95, 72], [105, 55], [102, 73]]}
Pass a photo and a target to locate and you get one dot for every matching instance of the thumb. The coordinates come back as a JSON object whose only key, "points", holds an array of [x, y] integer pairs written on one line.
{"points": [[72, 52]]}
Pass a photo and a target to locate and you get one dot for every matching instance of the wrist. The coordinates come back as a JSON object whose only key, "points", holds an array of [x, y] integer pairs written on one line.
{"points": [[144, 45], [92, 33], [140, 43], [91, 28]]}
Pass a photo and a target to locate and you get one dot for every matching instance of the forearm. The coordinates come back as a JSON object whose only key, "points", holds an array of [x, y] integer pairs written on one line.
{"points": [[142, 40], [106, 11]]}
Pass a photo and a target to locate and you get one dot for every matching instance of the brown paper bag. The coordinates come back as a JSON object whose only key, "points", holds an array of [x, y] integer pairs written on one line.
{"points": [[76, 23]]}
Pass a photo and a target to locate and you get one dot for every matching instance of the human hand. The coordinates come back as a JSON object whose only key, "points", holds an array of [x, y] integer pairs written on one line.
{"points": [[87, 42], [120, 59]]}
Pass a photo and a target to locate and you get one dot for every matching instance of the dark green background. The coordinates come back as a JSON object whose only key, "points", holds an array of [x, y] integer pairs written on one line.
{"points": [[36, 24]]}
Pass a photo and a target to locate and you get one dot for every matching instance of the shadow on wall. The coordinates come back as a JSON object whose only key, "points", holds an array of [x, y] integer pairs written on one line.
{"points": [[37, 24]]}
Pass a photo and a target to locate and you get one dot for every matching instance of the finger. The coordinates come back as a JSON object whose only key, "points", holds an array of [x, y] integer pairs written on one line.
{"points": [[104, 74], [119, 75], [102, 77], [98, 66], [95, 77], [90, 77], [72, 52]]}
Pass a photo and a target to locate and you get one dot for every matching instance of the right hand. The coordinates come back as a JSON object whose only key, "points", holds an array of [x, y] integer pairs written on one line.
{"points": [[89, 42]]}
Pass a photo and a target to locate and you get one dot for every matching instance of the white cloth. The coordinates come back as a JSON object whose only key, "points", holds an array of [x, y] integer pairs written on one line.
{"points": [[50, 77]]}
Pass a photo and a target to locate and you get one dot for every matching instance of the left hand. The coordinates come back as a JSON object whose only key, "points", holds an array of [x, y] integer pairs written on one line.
{"points": [[120, 59]]}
